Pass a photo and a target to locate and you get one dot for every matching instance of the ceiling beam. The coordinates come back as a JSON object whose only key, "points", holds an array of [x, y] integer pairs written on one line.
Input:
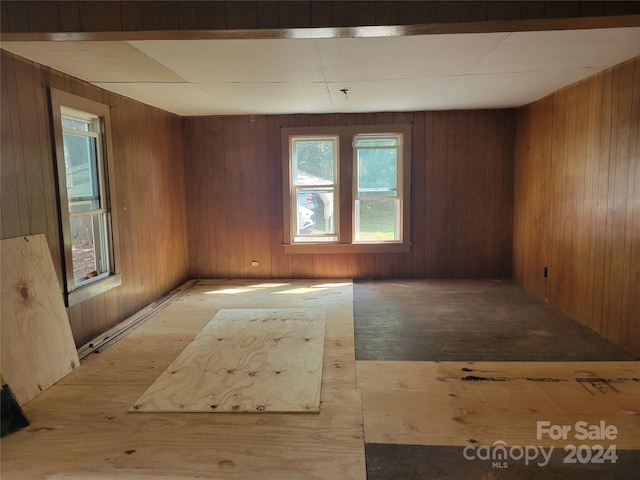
{"points": [[335, 32]]}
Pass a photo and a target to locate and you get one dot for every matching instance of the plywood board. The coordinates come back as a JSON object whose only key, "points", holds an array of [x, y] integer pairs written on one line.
{"points": [[246, 360], [469, 403], [37, 344]]}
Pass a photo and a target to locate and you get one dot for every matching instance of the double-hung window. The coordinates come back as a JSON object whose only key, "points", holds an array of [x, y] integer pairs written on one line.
{"points": [[378, 192], [347, 189], [314, 183], [81, 138]]}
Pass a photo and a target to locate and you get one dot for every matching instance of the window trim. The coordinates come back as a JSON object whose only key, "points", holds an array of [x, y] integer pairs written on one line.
{"points": [[346, 166], [74, 294]]}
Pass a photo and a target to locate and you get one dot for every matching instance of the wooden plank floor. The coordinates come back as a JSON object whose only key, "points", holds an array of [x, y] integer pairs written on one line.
{"points": [[80, 428]]}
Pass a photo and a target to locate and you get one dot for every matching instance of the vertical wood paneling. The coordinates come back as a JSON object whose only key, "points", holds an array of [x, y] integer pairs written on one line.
{"points": [[150, 177], [592, 220], [160, 15], [198, 15], [100, 16], [241, 14], [633, 327], [43, 16], [69, 12], [235, 200], [354, 13], [294, 14], [88, 16], [131, 15]]}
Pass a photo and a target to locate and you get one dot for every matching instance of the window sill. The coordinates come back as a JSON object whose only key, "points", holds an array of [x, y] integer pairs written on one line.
{"points": [[305, 248], [85, 292]]}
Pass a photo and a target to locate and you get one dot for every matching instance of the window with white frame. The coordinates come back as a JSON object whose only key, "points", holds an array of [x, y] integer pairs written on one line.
{"points": [[346, 189], [81, 138], [314, 183], [378, 192]]}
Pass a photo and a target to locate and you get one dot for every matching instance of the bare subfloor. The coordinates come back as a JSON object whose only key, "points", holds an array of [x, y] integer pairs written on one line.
{"points": [[393, 414]]}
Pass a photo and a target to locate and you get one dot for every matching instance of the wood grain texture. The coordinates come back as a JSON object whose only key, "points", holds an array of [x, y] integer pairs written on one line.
{"points": [[37, 344], [479, 403], [170, 15], [461, 228], [149, 189], [98, 438], [576, 201], [245, 361]]}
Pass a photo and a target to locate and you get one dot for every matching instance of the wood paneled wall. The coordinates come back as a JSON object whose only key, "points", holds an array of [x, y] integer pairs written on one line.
{"points": [[577, 203], [462, 198], [92, 16], [150, 177]]}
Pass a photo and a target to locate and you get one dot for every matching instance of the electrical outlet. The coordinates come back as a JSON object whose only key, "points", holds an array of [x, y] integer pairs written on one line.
{"points": [[255, 263], [141, 279]]}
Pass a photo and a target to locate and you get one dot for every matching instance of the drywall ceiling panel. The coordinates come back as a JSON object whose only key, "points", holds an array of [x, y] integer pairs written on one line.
{"points": [[276, 60], [391, 95], [178, 98], [95, 61], [268, 98], [272, 76], [360, 59], [562, 49], [503, 90]]}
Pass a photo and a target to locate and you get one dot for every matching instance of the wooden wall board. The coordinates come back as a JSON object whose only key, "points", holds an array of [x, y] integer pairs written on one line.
{"points": [[575, 188], [246, 360], [449, 150], [99, 439], [37, 344], [479, 403], [148, 150], [163, 15]]}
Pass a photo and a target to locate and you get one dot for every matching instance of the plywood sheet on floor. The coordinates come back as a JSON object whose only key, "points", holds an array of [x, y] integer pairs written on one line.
{"points": [[37, 343], [479, 403], [246, 360], [99, 439]]}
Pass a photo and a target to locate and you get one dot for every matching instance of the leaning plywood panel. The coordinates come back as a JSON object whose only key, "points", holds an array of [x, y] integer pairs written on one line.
{"points": [[246, 360], [37, 343]]}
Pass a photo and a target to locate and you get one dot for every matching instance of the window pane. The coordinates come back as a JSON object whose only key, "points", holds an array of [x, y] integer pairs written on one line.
{"points": [[364, 141], [77, 124], [377, 220], [377, 172], [89, 254], [313, 161], [80, 159], [315, 212]]}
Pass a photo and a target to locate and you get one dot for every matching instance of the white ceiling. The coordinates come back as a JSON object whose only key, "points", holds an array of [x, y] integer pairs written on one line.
{"points": [[273, 76]]}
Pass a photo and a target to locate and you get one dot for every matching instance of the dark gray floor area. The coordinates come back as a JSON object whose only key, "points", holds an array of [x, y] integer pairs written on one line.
{"points": [[416, 462], [468, 320]]}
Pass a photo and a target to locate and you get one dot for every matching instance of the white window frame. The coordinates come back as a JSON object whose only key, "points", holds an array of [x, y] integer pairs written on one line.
{"points": [[66, 105], [397, 198], [296, 187], [346, 242]]}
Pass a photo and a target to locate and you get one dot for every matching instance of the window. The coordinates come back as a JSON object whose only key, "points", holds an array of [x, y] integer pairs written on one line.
{"points": [[346, 189], [314, 179], [377, 196], [82, 151]]}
